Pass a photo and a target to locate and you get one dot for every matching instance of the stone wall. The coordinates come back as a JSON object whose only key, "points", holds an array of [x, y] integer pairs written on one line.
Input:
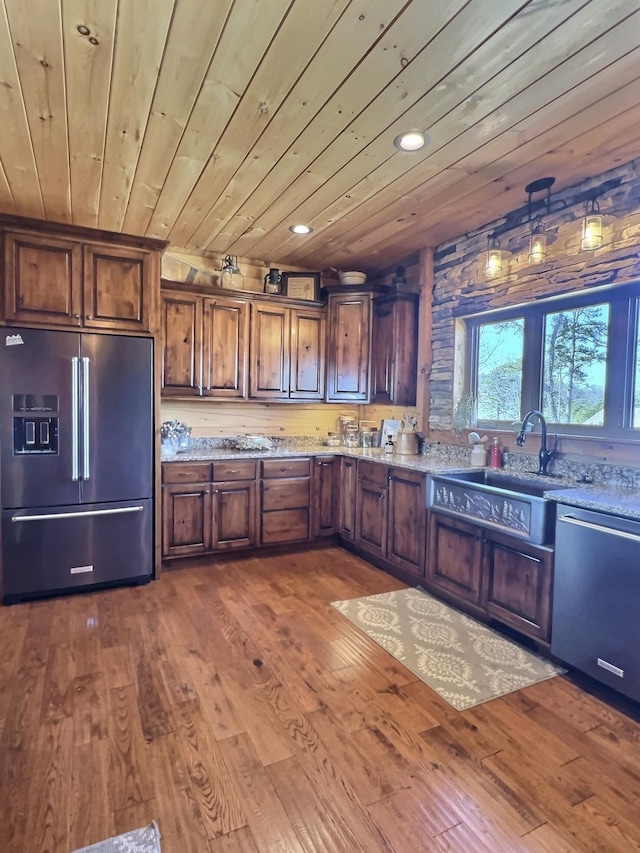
{"points": [[461, 287]]}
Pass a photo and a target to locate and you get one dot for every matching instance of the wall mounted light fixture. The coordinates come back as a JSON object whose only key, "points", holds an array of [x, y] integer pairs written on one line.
{"points": [[538, 238], [493, 266], [592, 234]]}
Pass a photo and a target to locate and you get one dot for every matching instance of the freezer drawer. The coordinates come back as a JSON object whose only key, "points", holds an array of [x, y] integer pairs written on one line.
{"points": [[596, 593], [64, 548]]}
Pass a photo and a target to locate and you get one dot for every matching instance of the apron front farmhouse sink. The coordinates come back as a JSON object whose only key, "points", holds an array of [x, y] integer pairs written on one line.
{"points": [[510, 503]]}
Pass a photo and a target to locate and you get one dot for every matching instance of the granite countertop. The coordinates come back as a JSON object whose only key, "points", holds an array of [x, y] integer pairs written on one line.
{"points": [[599, 497], [425, 464]]}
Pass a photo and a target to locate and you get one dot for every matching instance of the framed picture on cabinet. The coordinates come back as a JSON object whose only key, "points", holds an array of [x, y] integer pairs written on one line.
{"points": [[301, 285]]}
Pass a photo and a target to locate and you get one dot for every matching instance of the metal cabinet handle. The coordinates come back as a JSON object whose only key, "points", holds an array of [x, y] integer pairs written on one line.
{"points": [[85, 419], [75, 373], [569, 519], [54, 516]]}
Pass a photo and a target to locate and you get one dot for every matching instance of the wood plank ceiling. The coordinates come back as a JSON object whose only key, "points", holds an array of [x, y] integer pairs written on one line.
{"points": [[216, 125]]}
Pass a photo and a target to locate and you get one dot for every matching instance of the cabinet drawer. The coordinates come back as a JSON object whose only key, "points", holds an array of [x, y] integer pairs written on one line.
{"points": [[285, 494], [232, 470], [373, 472], [286, 468], [287, 525], [186, 472]]}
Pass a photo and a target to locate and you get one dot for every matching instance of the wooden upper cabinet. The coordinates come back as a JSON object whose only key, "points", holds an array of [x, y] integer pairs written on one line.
{"points": [[181, 334], [287, 352], [117, 288], [225, 347], [43, 280], [349, 347], [57, 276], [307, 362], [394, 358], [241, 347], [269, 367]]}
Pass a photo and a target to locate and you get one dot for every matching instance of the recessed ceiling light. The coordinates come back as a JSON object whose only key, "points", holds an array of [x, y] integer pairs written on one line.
{"points": [[412, 140], [301, 229]]}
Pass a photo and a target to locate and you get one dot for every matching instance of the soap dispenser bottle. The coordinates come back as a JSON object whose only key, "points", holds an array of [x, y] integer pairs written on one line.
{"points": [[495, 459]]}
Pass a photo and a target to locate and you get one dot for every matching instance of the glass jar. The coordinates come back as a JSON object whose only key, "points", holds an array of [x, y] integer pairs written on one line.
{"points": [[333, 439], [365, 438]]}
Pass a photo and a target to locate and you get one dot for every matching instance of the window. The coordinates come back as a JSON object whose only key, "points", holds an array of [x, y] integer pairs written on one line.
{"points": [[575, 356], [500, 370], [577, 359]]}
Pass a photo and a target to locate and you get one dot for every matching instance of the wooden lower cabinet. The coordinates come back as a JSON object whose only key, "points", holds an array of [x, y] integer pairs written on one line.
{"points": [[499, 576], [407, 524], [390, 514], [371, 508], [234, 515], [347, 499], [186, 519], [517, 579], [285, 504], [326, 491], [454, 562], [216, 515]]}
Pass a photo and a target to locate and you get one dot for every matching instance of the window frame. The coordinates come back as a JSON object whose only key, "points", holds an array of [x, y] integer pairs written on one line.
{"points": [[622, 344]]}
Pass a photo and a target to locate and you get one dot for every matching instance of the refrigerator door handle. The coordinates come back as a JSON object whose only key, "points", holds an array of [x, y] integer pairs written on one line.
{"points": [[75, 376], [53, 515], [85, 418]]}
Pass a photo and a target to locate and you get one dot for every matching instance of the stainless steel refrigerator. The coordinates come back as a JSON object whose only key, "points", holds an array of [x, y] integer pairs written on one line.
{"points": [[76, 461]]}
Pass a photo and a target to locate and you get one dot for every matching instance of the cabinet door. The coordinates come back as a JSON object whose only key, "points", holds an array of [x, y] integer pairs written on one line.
{"points": [[349, 347], [454, 564], [181, 330], [517, 584], [326, 486], [395, 349], [43, 280], [347, 504], [371, 523], [225, 348], [307, 371], [269, 365], [118, 285], [186, 519], [234, 514], [407, 534]]}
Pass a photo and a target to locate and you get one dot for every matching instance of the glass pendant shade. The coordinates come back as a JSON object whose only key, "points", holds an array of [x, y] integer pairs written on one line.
{"points": [[592, 227], [493, 267], [231, 278], [538, 243]]}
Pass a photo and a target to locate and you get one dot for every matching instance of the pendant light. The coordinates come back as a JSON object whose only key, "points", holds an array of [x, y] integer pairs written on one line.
{"points": [[592, 226], [538, 238], [537, 243], [231, 278], [493, 266]]}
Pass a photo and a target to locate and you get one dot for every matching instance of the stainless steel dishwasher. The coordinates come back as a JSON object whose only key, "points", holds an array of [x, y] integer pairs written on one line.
{"points": [[596, 597]]}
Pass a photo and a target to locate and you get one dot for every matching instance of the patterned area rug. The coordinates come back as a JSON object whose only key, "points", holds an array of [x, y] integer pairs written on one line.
{"points": [[144, 840], [462, 660]]}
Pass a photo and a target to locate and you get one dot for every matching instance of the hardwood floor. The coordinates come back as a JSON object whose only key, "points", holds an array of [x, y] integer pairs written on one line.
{"points": [[233, 705]]}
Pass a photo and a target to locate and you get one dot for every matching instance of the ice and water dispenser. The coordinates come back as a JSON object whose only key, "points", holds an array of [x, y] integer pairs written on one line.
{"points": [[35, 423]]}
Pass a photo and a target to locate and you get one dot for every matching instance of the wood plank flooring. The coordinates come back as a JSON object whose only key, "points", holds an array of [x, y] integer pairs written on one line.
{"points": [[229, 702]]}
